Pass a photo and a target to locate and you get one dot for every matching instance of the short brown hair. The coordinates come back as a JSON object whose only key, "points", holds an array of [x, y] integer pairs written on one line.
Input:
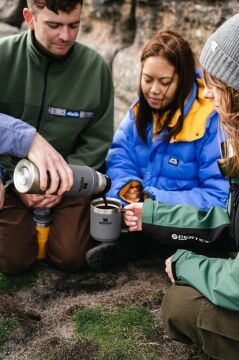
{"points": [[54, 5]]}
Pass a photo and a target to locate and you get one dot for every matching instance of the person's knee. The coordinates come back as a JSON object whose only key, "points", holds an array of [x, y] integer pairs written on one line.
{"points": [[18, 256], [170, 308], [15, 266], [68, 260], [179, 313], [72, 263]]}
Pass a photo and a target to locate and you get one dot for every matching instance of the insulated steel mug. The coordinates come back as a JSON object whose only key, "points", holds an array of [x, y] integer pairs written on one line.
{"points": [[106, 222]]}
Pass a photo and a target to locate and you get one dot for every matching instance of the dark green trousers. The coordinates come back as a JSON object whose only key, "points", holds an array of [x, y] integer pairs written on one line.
{"points": [[190, 318]]}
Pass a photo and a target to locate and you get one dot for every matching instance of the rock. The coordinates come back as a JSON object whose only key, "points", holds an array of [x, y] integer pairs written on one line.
{"points": [[6, 29], [108, 26], [11, 11], [118, 29], [194, 20]]}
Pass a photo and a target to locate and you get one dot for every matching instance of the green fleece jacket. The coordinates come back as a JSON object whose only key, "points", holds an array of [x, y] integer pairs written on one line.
{"points": [[69, 101], [187, 227]]}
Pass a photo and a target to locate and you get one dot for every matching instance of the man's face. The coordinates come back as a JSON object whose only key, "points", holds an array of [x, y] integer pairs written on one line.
{"points": [[56, 33]]}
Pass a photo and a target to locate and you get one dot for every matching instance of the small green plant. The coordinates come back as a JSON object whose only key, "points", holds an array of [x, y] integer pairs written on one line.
{"points": [[157, 297], [121, 334], [27, 280], [7, 326]]}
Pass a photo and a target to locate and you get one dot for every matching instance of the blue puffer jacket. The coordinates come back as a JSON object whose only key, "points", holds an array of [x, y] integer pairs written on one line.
{"points": [[180, 171]]}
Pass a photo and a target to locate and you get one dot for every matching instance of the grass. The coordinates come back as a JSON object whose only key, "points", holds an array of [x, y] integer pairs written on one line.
{"points": [[121, 334], [40, 357], [7, 326], [15, 283], [24, 281]]}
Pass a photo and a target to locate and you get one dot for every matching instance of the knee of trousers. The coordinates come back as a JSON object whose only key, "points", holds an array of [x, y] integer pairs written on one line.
{"points": [[68, 261], [16, 257], [16, 266], [179, 313], [170, 309]]}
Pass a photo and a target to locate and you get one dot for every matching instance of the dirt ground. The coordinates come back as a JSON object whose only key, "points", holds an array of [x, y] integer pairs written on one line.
{"points": [[44, 310]]}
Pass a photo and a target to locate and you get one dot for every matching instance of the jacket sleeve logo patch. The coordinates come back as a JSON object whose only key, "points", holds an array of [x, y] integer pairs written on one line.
{"points": [[70, 113], [189, 237], [173, 161]]}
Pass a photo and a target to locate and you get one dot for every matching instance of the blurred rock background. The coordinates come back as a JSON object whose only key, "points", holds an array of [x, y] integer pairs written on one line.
{"points": [[118, 29]]}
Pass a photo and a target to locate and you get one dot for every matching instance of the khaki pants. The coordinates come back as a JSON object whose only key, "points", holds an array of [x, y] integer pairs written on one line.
{"points": [[69, 237], [190, 318]]}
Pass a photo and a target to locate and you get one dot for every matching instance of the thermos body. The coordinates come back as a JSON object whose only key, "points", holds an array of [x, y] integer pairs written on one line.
{"points": [[87, 181]]}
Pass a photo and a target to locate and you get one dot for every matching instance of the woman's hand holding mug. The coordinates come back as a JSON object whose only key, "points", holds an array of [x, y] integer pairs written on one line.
{"points": [[133, 216]]}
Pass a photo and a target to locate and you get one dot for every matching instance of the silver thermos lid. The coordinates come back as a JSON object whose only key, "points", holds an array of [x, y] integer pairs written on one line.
{"points": [[26, 178]]}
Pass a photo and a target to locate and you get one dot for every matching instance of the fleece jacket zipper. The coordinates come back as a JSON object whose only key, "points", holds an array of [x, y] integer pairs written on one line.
{"points": [[43, 99]]}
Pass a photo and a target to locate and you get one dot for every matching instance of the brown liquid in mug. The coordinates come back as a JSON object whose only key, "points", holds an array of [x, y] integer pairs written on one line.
{"points": [[104, 207], [106, 204]]}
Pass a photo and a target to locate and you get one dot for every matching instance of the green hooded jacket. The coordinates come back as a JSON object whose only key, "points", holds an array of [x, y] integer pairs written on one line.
{"points": [[188, 227]]}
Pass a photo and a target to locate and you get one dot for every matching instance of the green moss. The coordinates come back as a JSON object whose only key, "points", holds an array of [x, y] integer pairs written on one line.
{"points": [[120, 333], [7, 327], [157, 297], [27, 280], [41, 357], [15, 283]]}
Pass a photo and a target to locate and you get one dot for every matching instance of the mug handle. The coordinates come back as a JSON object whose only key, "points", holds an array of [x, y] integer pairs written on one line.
{"points": [[124, 227]]}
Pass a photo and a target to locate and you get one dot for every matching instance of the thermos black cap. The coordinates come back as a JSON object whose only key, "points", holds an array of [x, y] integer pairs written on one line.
{"points": [[42, 215]]}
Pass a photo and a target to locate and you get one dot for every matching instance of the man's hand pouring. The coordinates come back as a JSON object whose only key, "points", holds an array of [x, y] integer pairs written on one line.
{"points": [[133, 216], [49, 161]]}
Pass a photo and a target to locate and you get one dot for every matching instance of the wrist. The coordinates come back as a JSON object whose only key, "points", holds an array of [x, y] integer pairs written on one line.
{"points": [[173, 267]]}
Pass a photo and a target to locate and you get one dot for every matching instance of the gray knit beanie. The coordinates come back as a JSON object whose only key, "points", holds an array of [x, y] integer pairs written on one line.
{"points": [[220, 55]]}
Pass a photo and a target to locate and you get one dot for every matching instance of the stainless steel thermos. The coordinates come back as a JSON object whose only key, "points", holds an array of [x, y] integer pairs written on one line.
{"points": [[87, 181]]}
